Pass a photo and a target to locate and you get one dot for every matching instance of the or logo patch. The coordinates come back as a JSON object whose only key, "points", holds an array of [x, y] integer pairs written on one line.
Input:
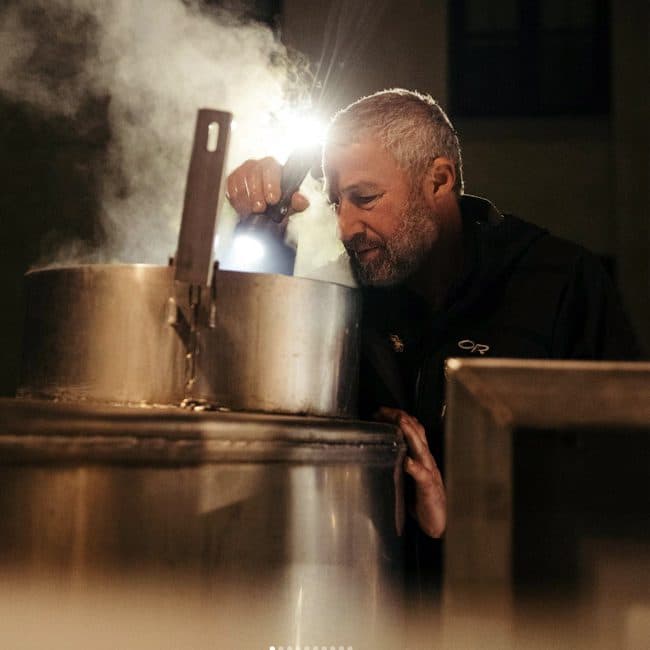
{"points": [[396, 342], [471, 346]]}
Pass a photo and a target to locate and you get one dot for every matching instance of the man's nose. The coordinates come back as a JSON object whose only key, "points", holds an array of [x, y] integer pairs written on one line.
{"points": [[349, 221]]}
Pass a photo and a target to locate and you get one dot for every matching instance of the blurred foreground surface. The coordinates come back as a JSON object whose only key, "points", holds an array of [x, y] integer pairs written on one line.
{"points": [[160, 615]]}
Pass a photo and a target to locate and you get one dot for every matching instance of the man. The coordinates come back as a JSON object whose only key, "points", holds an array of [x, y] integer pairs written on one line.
{"points": [[444, 274]]}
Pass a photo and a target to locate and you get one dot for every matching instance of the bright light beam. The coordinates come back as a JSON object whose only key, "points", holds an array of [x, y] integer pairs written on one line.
{"points": [[246, 251], [293, 129]]}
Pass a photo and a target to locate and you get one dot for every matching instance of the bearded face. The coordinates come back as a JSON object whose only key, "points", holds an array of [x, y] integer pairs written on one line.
{"points": [[395, 258], [385, 220]]}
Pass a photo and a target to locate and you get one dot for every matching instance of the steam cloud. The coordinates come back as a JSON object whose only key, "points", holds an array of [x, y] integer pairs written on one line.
{"points": [[155, 62]]}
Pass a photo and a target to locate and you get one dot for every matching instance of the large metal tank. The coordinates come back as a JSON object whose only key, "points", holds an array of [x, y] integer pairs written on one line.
{"points": [[100, 333], [260, 342], [287, 526], [299, 518]]}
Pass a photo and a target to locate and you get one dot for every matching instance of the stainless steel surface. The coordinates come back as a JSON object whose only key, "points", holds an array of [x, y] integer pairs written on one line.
{"points": [[100, 333], [280, 344], [202, 192], [265, 342], [547, 502], [296, 516]]}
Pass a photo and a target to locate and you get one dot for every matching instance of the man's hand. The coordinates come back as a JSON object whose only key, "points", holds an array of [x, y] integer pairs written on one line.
{"points": [[256, 184], [430, 507]]}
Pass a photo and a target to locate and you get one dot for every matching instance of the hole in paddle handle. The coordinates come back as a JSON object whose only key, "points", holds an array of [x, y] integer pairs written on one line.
{"points": [[213, 136]]}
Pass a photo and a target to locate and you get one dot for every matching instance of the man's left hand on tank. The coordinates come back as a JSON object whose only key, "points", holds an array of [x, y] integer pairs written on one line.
{"points": [[430, 504]]}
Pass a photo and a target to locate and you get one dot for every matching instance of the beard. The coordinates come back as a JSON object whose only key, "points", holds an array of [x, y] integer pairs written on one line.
{"points": [[398, 257]]}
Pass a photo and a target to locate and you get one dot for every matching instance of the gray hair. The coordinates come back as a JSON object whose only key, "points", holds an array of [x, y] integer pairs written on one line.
{"points": [[412, 127]]}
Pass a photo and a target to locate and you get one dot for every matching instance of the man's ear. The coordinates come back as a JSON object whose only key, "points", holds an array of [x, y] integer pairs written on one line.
{"points": [[439, 180]]}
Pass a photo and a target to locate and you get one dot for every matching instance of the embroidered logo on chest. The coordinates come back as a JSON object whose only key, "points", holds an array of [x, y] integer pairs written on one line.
{"points": [[472, 347], [396, 342]]}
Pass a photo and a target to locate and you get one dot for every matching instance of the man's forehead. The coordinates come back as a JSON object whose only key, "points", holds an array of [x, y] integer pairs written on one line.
{"points": [[337, 142], [363, 155]]}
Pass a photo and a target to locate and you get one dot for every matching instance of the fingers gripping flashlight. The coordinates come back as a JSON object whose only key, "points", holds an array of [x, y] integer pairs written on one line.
{"points": [[258, 241]]}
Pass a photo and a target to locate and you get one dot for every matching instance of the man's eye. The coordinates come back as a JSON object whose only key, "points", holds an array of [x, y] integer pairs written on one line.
{"points": [[366, 199]]}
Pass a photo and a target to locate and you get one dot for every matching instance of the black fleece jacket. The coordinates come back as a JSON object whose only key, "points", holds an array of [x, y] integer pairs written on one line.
{"points": [[524, 294]]}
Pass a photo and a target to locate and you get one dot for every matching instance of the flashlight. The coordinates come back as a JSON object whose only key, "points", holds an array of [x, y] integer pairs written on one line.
{"points": [[258, 244]]}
